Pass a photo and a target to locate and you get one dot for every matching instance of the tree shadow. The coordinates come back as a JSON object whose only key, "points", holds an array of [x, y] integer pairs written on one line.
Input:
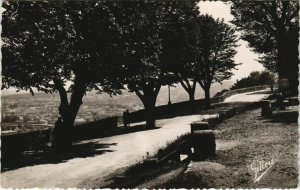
{"points": [[46, 155]]}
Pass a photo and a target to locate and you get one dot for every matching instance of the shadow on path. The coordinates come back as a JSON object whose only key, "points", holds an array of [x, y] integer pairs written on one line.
{"points": [[46, 155]]}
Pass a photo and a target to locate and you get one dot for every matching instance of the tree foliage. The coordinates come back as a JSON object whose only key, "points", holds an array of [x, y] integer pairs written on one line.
{"points": [[255, 78], [46, 44], [146, 25], [179, 54], [217, 47], [202, 50], [95, 45], [271, 28]]}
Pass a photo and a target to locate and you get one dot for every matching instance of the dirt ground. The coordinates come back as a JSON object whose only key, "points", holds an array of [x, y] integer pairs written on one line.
{"points": [[260, 139], [245, 142]]}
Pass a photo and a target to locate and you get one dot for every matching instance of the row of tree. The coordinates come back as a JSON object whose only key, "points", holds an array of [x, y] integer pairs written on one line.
{"points": [[110, 45], [139, 45]]}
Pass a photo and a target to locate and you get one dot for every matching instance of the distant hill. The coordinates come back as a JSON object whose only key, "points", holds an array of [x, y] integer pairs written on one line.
{"points": [[178, 94]]}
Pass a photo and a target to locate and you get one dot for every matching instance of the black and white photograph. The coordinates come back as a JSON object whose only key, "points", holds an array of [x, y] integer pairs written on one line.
{"points": [[149, 94]]}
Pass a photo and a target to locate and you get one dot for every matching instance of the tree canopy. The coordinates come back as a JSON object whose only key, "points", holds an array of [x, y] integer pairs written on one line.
{"points": [[46, 44], [146, 42], [201, 49], [95, 45], [106, 45], [53, 40], [180, 52], [217, 44]]}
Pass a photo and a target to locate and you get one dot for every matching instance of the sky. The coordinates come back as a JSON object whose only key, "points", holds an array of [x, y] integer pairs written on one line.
{"points": [[218, 9]]}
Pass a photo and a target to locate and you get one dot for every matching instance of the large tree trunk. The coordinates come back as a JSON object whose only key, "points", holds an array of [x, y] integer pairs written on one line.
{"points": [[149, 99], [149, 105], [68, 111], [69, 120], [293, 60], [192, 106], [206, 87], [207, 96], [288, 59], [190, 89], [192, 96]]}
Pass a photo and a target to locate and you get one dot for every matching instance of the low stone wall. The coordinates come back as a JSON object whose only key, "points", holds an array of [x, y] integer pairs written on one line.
{"points": [[16, 143], [165, 110], [13, 143], [96, 129], [238, 91]]}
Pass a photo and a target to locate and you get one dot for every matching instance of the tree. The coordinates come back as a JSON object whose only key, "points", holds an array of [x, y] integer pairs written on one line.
{"points": [[46, 44], [145, 26], [179, 53], [216, 43], [142, 49], [271, 28], [266, 78]]}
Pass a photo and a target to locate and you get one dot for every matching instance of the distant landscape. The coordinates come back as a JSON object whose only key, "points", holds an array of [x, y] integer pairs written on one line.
{"points": [[22, 112]]}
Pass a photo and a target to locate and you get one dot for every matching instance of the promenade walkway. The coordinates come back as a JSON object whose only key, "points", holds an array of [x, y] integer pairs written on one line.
{"points": [[111, 153]]}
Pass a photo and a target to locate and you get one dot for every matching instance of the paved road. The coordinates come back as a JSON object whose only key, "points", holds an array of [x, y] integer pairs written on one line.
{"points": [[122, 150], [249, 96]]}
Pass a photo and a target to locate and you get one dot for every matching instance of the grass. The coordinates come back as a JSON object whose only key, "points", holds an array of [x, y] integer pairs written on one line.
{"points": [[140, 173], [230, 113], [180, 181], [143, 171], [170, 146]]}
